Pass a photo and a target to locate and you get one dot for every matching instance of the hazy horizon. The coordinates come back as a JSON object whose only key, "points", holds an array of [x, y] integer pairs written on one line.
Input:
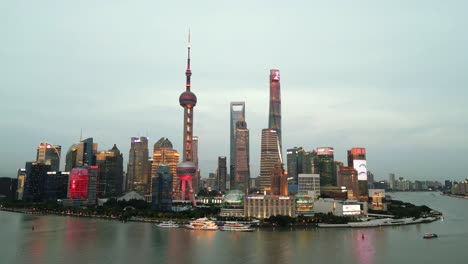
{"points": [[386, 76]]}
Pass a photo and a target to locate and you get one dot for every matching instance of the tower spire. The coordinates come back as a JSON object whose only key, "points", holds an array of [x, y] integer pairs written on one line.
{"points": [[188, 72]]}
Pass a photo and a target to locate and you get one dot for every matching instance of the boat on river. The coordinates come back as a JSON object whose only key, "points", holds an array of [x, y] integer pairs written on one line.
{"points": [[236, 226], [167, 224], [202, 224], [430, 235]]}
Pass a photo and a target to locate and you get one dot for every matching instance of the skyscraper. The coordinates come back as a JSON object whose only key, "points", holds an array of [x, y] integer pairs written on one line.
{"points": [[237, 111], [138, 166], [347, 177], [279, 181], [299, 161], [165, 154], [357, 160], [325, 166], [274, 120], [270, 156], [222, 174], [21, 176], [162, 189], [78, 183], [240, 179], [391, 181], [186, 169], [81, 154], [110, 165], [48, 153], [197, 177], [36, 181]]}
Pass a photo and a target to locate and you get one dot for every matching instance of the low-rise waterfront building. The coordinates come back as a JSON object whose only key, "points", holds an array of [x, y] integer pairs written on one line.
{"points": [[340, 208], [264, 206], [377, 196], [233, 204]]}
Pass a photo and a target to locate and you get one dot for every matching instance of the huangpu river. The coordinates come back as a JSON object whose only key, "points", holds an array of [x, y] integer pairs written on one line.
{"points": [[59, 239]]}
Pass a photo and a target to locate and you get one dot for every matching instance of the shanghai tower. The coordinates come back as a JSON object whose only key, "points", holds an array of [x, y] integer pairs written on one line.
{"points": [[274, 120], [187, 169]]}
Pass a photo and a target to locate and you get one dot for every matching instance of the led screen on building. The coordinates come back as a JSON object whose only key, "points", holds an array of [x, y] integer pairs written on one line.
{"points": [[361, 167], [351, 209], [78, 183], [325, 151]]}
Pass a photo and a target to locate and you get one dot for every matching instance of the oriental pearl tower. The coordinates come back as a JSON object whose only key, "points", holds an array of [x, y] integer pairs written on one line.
{"points": [[186, 169]]}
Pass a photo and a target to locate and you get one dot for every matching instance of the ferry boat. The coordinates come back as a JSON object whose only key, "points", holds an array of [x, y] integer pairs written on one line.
{"points": [[167, 224], [430, 235], [202, 224], [235, 226]]}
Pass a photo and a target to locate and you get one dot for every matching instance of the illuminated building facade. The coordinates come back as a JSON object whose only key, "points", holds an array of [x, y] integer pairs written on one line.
{"points": [[187, 169], [110, 164], [264, 206], [21, 176], [269, 157], [48, 153], [241, 177], [81, 154], [279, 181], [165, 154], [325, 166], [274, 120], [162, 186], [299, 161], [357, 160], [348, 177], [138, 166], [237, 112], [78, 183], [36, 181]]}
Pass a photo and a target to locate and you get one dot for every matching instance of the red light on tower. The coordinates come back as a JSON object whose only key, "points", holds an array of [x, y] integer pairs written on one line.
{"points": [[186, 169]]}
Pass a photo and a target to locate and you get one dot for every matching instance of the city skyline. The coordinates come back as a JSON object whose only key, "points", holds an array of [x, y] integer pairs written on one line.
{"points": [[387, 77]]}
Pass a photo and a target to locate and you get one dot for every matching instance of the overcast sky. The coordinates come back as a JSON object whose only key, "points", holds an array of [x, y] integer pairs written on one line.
{"points": [[390, 76]]}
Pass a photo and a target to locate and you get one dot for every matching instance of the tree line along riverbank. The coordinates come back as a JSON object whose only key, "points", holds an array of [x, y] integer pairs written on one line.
{"points": [[138, 210]]}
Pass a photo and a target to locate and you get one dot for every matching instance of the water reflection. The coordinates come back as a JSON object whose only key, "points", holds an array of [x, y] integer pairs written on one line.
{"points": [[58, 239]]}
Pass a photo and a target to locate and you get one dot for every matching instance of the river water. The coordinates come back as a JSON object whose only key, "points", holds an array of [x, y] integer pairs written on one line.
{"points": [[58, 239]]}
